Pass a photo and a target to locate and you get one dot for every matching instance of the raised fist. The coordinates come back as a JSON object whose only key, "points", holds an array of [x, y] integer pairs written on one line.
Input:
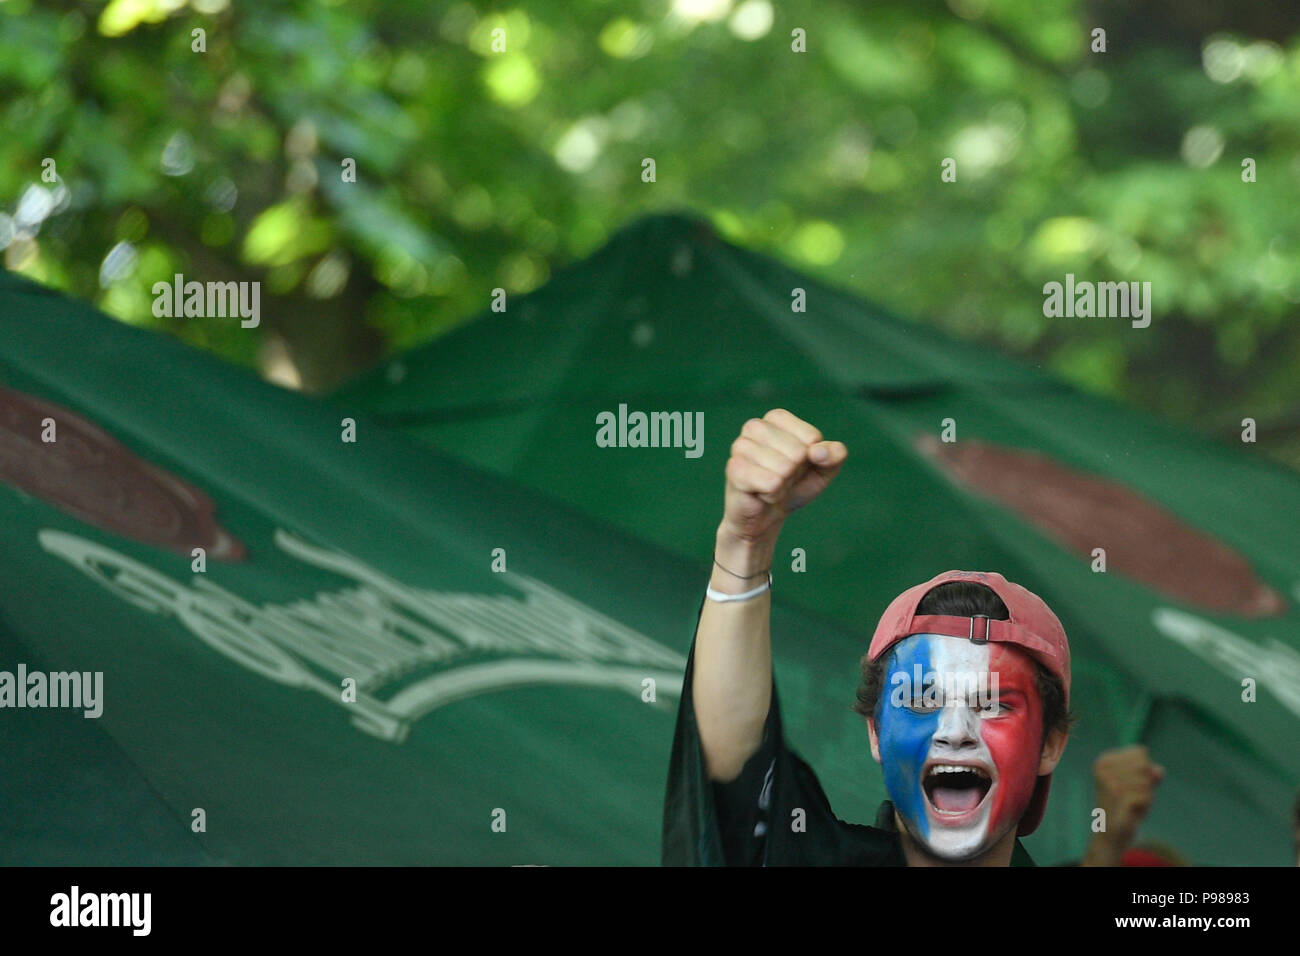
{"points": [[778, 464], [1126, 781]]}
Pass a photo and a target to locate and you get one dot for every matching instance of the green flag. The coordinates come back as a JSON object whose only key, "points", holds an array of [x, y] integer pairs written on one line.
{"points": [[309, 649], [1173, 561]]}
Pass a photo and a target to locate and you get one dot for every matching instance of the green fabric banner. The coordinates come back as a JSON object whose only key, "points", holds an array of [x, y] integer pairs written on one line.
{"points": [[1173, 561], [385, 657]]}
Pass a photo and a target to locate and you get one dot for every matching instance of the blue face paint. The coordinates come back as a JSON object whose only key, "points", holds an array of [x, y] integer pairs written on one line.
{"points": [[905, 735]]}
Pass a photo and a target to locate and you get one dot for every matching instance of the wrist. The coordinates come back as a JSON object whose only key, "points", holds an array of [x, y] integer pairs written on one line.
{"points": [[1106, 849], [1102, 855], [746, 557]]}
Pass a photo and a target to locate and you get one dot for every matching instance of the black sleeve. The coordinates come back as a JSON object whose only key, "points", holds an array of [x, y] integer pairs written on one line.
{"points": [[774, 814], [744, 806]]}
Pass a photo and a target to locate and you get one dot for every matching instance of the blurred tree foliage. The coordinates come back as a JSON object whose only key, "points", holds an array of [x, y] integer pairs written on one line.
{"points": [[478, 167]]}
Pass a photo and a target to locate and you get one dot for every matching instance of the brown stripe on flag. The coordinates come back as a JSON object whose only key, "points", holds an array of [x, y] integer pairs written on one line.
{"points": [[92, 476], [1142, 540]]}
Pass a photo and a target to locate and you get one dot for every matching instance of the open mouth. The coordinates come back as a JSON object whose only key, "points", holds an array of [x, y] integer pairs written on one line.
{"points": [[956, 788]]}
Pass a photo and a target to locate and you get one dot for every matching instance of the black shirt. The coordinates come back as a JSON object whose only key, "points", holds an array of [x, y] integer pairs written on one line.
{"points": [[754, 820]]}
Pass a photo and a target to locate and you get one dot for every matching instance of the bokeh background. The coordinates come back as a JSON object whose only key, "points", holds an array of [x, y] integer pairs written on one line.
{"points": [[482, 168]]}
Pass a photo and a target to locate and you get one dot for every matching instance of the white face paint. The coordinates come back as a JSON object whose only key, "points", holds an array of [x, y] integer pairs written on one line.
{"points": [[959, 664]]}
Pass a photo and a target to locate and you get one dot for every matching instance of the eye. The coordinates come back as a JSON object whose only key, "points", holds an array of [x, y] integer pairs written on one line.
{"points": [[923, 705], [991, 708]]}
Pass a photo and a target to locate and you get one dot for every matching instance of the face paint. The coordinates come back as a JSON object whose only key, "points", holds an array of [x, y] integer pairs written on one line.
{"points": [[960, 733], [1015, 737]]}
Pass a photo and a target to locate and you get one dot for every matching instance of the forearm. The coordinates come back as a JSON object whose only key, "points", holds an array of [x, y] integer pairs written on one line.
{"points": [[732, 686]]}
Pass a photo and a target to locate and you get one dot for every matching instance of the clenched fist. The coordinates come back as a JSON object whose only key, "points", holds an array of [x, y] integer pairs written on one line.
{"points": [[1126, 779], [778, 464]]}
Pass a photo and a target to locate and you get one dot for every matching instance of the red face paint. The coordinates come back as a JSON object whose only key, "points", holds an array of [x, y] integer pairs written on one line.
{"points": [[1014, 736]]}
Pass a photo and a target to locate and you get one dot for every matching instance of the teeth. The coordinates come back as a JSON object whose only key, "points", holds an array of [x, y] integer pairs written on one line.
{"points": [[956, 768]]}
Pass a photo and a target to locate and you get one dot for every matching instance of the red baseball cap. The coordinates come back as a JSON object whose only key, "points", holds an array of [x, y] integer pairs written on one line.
{"points": [[1031, 625]]}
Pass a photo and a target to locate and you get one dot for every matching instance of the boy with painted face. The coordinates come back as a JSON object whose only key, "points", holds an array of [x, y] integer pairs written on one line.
{"points": [[977, 674], [965, 691]]}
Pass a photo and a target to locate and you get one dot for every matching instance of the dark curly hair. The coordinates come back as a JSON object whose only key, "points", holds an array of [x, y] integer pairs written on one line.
{"points": [[964, 599]]}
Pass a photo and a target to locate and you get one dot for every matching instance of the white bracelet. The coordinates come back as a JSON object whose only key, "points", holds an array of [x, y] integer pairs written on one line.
{"points": [[719, 596]]}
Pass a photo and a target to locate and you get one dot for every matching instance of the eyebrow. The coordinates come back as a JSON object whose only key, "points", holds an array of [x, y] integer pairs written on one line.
{"points": [[1011, 694], [1014, 681]]}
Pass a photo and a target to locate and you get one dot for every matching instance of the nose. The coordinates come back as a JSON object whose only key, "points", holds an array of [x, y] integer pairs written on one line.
{"points": [[958, 728]]}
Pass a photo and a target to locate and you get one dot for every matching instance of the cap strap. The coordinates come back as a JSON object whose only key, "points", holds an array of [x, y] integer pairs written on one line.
{"points": [[980, 630]]}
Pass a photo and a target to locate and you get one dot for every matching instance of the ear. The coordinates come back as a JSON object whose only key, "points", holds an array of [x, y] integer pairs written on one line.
{"points": [[875, 738], [1053, 747]]}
